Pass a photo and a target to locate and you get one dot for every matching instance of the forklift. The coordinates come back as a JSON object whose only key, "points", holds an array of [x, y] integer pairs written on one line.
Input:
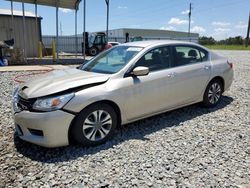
{"points": [[95, 43]]}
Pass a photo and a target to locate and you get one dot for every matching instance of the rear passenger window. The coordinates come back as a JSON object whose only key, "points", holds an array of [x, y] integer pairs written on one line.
{"points": [[157, 59], [185, 55]]}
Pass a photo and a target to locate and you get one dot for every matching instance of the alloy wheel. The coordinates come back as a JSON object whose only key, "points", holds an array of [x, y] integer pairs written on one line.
{"points": [[214, 93], [97, 125]]}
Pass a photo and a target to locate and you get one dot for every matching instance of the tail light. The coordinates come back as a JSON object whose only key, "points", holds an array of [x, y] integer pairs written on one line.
{"points": [[230, 64]]}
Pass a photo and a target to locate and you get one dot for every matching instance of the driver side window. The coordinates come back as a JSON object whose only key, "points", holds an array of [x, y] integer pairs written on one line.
{"points": [[156, 59]]}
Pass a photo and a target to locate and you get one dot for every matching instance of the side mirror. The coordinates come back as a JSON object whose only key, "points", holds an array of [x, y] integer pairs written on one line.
{"points": [[140, 71]]}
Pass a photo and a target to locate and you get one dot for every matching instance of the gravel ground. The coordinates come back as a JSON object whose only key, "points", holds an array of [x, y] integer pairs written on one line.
{"points": [[189, 147]]}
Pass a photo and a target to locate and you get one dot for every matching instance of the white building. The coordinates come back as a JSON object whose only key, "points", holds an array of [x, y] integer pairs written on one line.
{"points": [[151, 34]]}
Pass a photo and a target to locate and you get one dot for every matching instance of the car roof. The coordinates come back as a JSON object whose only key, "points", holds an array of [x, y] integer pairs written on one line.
{"points": [[151, 43]]}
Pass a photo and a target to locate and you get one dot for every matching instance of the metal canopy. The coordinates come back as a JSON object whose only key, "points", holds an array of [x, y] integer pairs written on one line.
{"points": [[70, 4]]}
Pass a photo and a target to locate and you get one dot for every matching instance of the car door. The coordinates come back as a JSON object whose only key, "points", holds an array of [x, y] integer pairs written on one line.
{"points": [[190, 73], [145, 95]]}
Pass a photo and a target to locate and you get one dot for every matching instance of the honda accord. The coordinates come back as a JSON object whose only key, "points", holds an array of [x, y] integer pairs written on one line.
{"points": [[121, 85]]}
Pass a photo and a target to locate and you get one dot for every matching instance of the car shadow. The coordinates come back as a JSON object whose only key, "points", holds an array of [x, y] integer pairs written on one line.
{"points": [[137, 130]]}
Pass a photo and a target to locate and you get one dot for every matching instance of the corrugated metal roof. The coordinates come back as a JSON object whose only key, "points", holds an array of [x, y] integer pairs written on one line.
{"points": [[17, 13], [70, 4]]}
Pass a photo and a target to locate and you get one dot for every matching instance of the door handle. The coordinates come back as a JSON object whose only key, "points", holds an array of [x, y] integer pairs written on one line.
{"points": [[207, 67], [171, 75]]}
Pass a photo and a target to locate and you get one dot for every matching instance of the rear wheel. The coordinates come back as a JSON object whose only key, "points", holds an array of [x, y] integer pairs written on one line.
{"points": [[95, 125], [213, 93], [93, 51]]}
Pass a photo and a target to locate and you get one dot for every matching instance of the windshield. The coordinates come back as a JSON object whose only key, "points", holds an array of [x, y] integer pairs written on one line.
{"points": [[92, 39], [112, 61]]}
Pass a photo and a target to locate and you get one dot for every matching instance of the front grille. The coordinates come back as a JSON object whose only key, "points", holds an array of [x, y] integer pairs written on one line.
{"points": [[25, 104]]}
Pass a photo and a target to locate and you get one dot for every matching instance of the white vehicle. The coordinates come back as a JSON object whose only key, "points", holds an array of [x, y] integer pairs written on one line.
{"points": [[126, 83]]}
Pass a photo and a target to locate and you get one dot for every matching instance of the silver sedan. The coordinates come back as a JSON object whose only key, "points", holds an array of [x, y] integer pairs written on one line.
{"points": [[124, 84]]}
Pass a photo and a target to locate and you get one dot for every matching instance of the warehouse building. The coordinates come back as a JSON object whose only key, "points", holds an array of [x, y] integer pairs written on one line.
{"points": [[13, 28], [151, 34], [67, 43]]}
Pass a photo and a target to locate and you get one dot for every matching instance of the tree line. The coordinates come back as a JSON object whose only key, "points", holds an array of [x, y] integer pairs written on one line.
{"points": [[238, 40]]}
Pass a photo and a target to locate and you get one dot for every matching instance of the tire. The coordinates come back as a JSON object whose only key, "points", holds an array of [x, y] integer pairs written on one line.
{"points": [[88, 129], [93, 51], [213, 93]]}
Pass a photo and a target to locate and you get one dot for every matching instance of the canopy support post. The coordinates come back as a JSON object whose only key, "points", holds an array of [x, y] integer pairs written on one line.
{"points": [[36, 30], [107, 29], [36, 15], [24, 32], [76, 40], [12, 21], [57, 33], [84, 29]]}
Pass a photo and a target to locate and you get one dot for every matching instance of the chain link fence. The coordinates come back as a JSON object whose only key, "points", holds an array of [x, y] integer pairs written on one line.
{"points": [[71, 44]]}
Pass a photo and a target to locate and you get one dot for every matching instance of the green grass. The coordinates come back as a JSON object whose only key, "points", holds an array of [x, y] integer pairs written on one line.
{"points": [[227, 47]]}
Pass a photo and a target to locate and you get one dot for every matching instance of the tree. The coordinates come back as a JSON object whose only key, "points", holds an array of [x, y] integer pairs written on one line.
{"points": [[238, 40], [207, 40]]}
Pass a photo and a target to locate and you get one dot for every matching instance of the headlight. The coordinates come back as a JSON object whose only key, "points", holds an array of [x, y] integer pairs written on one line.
{"points": [[52, 103]]}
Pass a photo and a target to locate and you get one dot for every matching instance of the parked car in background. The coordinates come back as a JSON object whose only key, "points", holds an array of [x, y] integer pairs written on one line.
{"points": [[121, 85]]}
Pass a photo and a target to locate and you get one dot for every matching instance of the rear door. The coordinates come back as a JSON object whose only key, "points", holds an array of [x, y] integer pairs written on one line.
{"points": [[191, 70]]}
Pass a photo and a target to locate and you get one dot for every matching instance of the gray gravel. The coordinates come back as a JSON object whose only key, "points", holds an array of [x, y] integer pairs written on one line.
{"points": [[189, 147]]}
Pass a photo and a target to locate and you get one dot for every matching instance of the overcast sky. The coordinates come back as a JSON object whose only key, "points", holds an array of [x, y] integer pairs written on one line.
{"points": [[216, 18]]}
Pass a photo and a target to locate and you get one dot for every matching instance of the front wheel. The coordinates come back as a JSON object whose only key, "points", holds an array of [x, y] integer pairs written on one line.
{"points": [[213, 93], [95, 125], [93, 51]]}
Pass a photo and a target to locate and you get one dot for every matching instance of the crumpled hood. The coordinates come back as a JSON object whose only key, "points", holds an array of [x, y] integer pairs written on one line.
{"points": [[59, 80]]}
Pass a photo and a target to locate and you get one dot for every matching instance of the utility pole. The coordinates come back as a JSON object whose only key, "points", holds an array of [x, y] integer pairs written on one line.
{"points": [[189, 17], [248, 31], [107, 29]]}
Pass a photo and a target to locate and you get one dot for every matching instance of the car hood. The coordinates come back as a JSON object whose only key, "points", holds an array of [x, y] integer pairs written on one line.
{"points": [[58, 81]]}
